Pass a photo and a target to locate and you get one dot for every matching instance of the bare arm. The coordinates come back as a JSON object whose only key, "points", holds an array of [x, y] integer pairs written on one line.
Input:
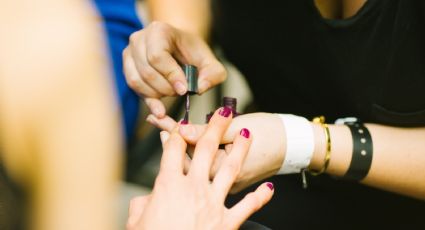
{"points": [[398, 157], [59, 126], [398, 153], [193, 16]]}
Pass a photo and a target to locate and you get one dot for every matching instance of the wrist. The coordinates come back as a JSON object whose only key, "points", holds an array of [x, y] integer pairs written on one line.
{"points": [[299, 143], [341, 149], [317, 160]]}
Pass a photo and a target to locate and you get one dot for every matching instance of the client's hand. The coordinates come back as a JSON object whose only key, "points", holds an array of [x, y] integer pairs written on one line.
{"points": [[191, 200], [266, 152]]}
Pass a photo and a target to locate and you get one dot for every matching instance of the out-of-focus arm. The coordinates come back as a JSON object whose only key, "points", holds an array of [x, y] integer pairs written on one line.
{"points": [[193, 16], [59, 125]]}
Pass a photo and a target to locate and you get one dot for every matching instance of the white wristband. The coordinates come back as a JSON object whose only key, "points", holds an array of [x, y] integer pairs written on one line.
{"points": [[299, 144]]}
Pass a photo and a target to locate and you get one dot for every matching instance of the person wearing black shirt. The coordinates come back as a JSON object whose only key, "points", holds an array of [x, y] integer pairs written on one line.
{"points": [[361, 58]]}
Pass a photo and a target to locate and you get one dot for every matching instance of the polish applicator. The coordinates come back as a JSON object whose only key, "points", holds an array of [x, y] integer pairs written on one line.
{"points": [[191, 73]]}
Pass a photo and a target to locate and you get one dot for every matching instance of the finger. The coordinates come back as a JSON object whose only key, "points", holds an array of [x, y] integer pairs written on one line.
{"points": [[174, 153], [228, 147], [156, 107], [191, 133], [231, 167], [135, 210], [210, 75], [167, 123], [220, 157], [187, 163], [207, 146], [251, 203], [196, 52], [151, 76], [161, 44], [164, 136], [133, 78]]}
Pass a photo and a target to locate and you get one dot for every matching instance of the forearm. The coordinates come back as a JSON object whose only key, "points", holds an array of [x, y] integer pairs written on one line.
{"points": [[59, 126], [193, 16], [398, 157]]}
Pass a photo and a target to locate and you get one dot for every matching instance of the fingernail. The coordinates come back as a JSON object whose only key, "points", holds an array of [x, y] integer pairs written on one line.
{"points": [[180, 88], [225, 111], [270, 185], [184, 122], [204, 85], [245, 133]]}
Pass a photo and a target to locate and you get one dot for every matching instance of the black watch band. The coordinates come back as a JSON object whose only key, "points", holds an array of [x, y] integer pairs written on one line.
{"points": [[361, 160]]}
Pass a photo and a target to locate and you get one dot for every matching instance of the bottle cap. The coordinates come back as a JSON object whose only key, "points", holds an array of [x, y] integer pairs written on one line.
{"points": [[191, 73], [231, 102]]}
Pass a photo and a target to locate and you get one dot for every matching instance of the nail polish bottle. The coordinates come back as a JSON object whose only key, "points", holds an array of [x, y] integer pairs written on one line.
{"points": [[232, 103]]}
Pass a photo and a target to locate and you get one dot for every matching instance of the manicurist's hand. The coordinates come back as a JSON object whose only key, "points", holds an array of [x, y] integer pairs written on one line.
{"points": [[265, 154], [190, 199], [151, 64]]}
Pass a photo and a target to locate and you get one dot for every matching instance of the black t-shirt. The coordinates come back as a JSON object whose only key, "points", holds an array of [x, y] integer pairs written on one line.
{"points": [[371, 66]]}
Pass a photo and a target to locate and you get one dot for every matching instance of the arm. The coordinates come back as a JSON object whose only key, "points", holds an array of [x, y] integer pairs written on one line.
{"points": [[397, 164], [59, 124], [398, 157], [193, 16]]}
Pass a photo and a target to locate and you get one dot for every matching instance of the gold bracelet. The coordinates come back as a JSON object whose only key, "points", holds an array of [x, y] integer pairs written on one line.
{"points": [[321, 120]]}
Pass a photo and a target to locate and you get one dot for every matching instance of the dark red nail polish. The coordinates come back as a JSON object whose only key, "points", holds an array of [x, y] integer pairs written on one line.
{"points": [[270, 185], [245, 133], [225, 111], [184, 122]]}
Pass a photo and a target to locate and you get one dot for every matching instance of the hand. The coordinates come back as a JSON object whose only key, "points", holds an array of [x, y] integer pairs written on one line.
{"points": [[265, 155], [190, 200], [151, 64]]}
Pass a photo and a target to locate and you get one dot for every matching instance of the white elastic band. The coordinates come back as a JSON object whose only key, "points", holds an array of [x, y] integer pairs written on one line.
{"points": [[299, 144]]}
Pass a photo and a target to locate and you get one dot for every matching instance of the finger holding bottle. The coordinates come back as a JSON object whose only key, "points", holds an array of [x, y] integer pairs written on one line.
{"points": [[152, 64]]}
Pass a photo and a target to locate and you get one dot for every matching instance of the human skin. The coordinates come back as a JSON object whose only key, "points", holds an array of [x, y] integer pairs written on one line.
{"points": [[189, 199], [398, 152], [59, 126]]}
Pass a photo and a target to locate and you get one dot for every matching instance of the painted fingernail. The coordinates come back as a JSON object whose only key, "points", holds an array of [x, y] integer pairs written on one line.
{"points": [[245, 133], [225, 111], [180, 88], [184, 122], [270, 185]]}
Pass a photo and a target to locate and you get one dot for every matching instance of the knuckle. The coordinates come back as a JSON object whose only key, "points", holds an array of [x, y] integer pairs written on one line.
{"points": [[155, 57], [173, 75], [148, 75], [133, 82], [160, 26], [134, 37], [124, 53]]}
